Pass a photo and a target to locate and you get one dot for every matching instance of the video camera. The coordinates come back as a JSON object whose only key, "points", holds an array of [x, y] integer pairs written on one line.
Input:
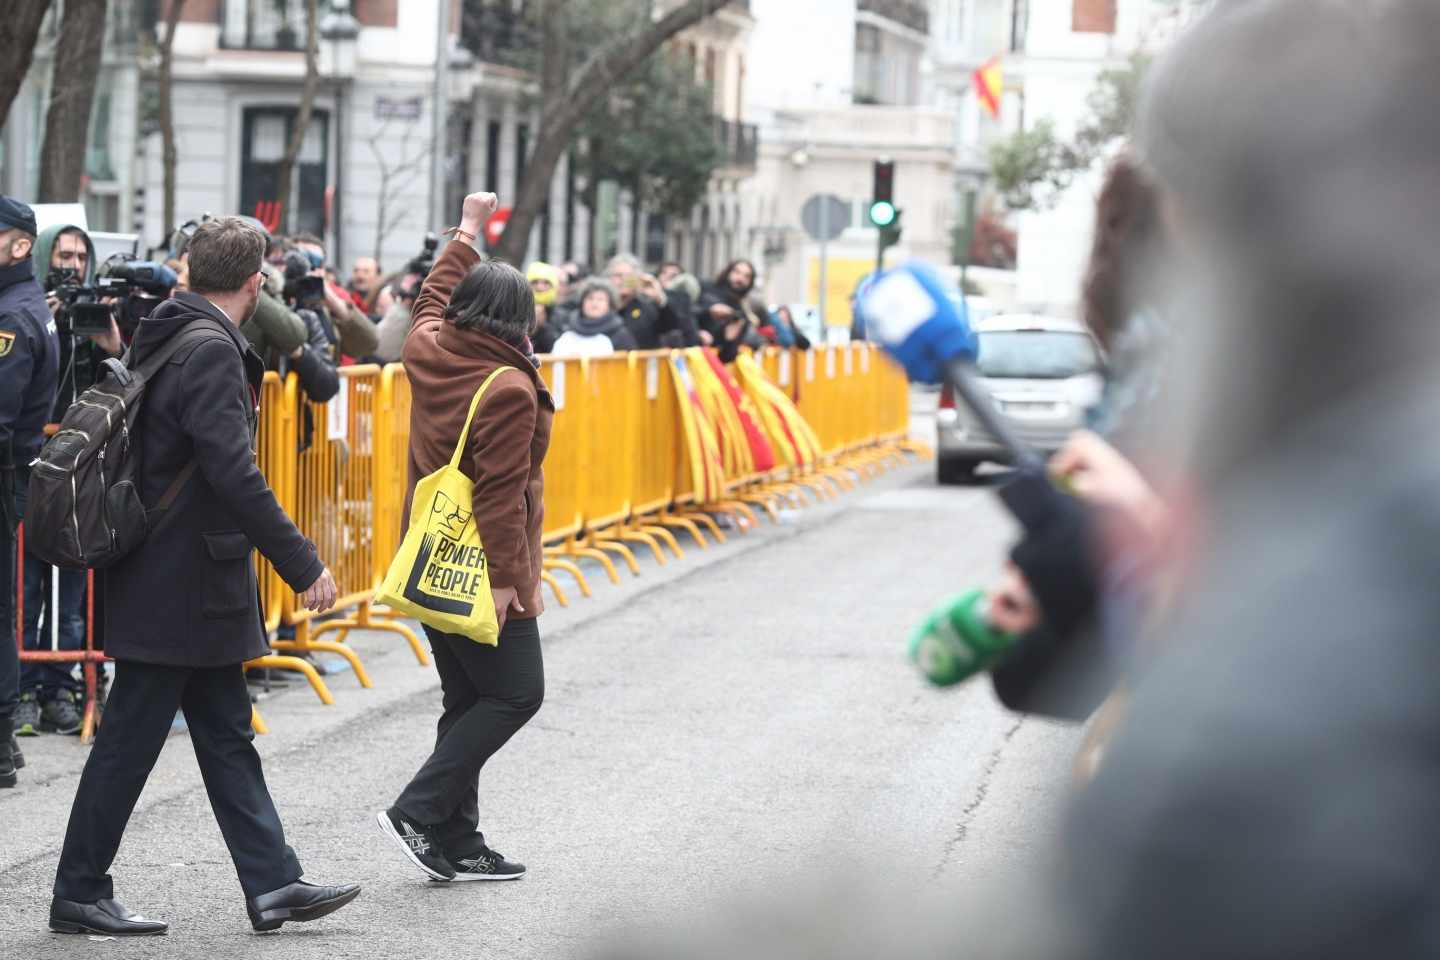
{"points": [[423, 263], [136, 286], [301, 289]]}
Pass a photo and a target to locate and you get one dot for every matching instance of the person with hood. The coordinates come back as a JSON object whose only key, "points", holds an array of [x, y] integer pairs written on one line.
{"points": [[597, 330], [182, 610], [545, 285], [723, 310], [64, 256]]}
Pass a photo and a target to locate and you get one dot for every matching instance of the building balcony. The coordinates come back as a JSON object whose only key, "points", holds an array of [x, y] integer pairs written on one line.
{"points": [[911, 14], [739, 143]]}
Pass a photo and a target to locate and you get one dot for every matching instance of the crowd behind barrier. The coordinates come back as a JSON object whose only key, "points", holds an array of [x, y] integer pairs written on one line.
{"points": [[645, 445]]}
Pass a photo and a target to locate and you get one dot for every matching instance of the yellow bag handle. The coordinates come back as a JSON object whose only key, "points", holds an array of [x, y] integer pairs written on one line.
{"points": [[474, 405]]}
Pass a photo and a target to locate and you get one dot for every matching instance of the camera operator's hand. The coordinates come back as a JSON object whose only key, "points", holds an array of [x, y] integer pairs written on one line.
{"points": [[1013, 609], [110, 342], [1095, 471], [322, 593], [53, 302], [476, 212], [337, 305]]}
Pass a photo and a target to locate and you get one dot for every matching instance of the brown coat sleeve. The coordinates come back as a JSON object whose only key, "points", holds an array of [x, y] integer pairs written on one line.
{"points": [[499, 455], [453, 265]]}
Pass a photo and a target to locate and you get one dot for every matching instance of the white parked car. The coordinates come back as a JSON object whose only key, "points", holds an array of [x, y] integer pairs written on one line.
{"points": [[1044, 375]]}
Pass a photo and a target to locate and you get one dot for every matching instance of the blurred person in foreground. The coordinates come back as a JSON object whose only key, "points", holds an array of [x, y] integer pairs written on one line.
{"points": [[182, 611], [1272, 793], [472, 319]]}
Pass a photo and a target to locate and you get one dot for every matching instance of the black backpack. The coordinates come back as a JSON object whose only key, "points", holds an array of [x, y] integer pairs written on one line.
{"points": [[85, 508]]}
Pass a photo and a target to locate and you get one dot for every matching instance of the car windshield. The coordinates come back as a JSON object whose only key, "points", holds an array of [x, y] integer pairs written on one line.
{"points": [[1036, 354]]}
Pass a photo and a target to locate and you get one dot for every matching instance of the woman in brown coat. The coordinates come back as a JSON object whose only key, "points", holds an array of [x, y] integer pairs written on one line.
{"points": [[472, 318]]}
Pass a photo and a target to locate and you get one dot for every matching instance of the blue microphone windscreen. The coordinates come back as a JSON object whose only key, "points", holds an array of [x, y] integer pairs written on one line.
{"points": [[919, 318]]}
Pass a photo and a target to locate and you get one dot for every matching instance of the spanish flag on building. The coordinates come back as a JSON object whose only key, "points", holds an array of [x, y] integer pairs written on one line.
{"points": [[990, 85]]}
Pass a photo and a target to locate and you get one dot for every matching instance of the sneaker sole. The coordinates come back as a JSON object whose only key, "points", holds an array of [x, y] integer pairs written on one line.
{"points": [[471, 877], [387, 828], [27, 731]]}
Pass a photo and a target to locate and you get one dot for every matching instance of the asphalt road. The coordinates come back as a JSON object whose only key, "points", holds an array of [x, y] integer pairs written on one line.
{"points": [[738, 727]]}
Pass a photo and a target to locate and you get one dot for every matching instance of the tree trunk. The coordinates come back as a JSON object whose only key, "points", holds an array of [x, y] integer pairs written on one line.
{"points": [[167, 113], [286, 174], [562, 108], [72, 98], [19, 31]]}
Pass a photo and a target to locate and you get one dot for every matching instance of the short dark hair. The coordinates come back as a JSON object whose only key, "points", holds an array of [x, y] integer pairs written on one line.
{"points": [[494, 298], [224, 253], [307, 238]]}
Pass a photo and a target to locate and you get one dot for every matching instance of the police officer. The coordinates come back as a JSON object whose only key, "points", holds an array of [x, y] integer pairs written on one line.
{"points": [[29, 372]]}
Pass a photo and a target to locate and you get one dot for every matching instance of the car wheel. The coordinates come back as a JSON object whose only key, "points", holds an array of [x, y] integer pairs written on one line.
{"points": [[952, 471]]}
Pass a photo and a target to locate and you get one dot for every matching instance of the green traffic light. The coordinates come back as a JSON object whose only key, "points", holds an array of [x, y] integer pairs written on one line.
{"points": [[882, 213]]}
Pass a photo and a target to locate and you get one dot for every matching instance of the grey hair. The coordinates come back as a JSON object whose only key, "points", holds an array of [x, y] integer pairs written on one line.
{"points": [[1306, 209], [629, 259]]}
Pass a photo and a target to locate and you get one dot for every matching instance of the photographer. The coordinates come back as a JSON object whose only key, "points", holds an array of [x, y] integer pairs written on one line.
{"points": [[292, 292], [645, 307], [354, 331], [64, 260]]}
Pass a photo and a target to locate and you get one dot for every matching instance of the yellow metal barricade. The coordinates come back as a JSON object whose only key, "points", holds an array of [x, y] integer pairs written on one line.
{"points": [[567, 473], [276, 458], [656, 415]]}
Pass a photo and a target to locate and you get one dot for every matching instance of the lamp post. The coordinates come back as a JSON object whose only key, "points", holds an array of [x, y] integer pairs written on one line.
{"points": [[339, 28]]}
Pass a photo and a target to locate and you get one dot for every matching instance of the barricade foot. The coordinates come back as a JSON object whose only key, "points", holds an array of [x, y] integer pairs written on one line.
{"points": [[556, 563], [634, 535], [257, 723], [624, 552], [364, 620], [708, 522], [600, 557], [764, 502], [737, 506], [325, 646], [549, 578], [665, 537], [689, 526], [273, 662]]}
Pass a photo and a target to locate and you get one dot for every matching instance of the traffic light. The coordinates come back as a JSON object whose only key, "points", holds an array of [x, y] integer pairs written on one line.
{"points": [[890, 232], [882, 203]]}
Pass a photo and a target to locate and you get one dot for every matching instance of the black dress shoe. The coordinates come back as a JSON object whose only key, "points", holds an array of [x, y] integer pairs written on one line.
{"points": [[107, 918], [297, 903]]}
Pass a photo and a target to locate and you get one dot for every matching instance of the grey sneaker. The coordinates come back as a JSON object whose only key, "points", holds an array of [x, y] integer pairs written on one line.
{"points": [[417, 841], [27, 716], [58, 715]]}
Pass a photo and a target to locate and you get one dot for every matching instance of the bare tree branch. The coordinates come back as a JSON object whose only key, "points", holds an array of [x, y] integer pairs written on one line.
{"points": [[169, 156], [72, 99], [561, 110], [19, 31], [385, 221], [286, 174]]}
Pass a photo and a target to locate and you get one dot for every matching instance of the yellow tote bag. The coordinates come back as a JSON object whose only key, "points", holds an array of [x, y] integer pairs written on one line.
{"points": [[440, 576]]}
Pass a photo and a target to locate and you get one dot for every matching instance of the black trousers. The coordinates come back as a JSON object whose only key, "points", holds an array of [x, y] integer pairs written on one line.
{"points": [[488, 694], [9, 655], [142, 705]]}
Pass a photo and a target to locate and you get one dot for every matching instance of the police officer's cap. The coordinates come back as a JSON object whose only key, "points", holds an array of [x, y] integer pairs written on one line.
{"points": [[15, 215]]}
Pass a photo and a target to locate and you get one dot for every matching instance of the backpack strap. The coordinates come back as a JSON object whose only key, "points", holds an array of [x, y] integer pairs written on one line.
{"points": [[196, 332]]}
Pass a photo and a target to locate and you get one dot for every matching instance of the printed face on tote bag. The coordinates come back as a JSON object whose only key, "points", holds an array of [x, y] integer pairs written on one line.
{"points": [[451, 518]]}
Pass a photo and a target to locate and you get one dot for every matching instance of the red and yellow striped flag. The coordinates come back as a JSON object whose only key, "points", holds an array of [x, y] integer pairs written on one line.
{"points": [[990, 86]]}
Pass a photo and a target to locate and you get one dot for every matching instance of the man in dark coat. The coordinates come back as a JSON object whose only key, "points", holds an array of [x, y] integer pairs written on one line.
{"points": [[182, 611], [29, 369]]}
